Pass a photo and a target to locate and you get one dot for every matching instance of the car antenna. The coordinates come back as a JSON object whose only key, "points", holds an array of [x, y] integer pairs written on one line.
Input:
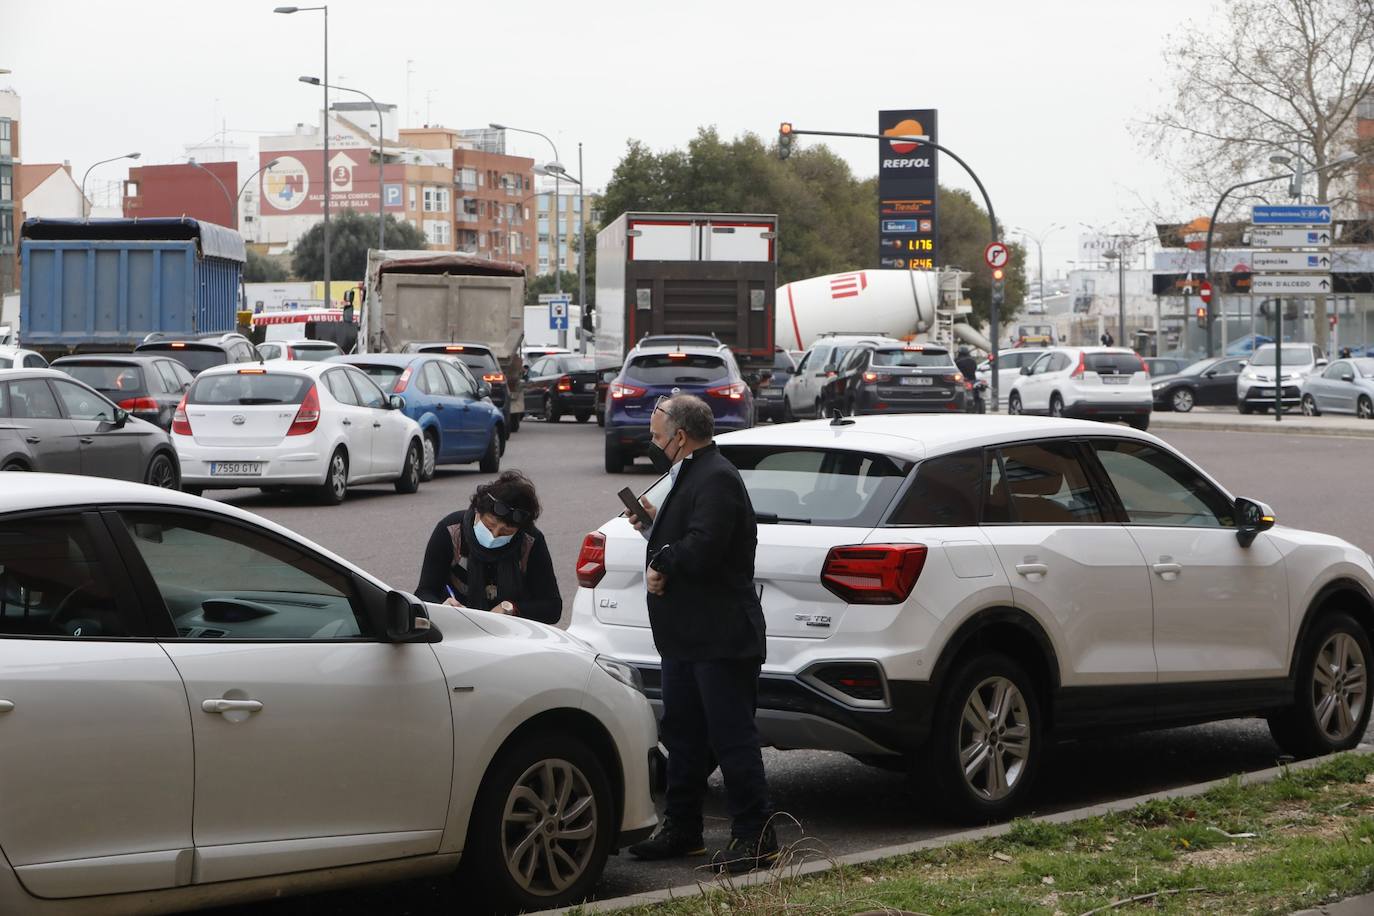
{"points": [[837, 418]]}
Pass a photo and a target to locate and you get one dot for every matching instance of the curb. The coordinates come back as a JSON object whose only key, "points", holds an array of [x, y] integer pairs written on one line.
{"points": [[1158, 421], [814, 867]]}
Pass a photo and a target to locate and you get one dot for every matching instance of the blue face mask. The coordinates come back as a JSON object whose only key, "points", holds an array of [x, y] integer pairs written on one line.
{"points": [[486, 538]]}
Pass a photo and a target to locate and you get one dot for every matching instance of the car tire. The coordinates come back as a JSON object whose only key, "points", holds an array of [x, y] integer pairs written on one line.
{"points": [[1335, 648], [335, 486], [409, 481], [1309, 406], [1364, 408], [1181, 400], [615, 458], [162, 472], [983, 797], [552, 414], [1141, 423], [1014, 404], [1242, 407], [491, 458], [429, 463], [515, 784], [515, 419], [601, 419], [787, 415], [14, 466], [583, 416], [1056, 405]]}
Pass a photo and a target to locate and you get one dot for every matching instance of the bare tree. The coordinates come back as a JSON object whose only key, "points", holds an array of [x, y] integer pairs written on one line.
{"points": [[1273, 76]]}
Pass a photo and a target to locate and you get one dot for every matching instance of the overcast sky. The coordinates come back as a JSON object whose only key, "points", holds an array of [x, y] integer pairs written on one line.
{"points": [[1042, 98]]}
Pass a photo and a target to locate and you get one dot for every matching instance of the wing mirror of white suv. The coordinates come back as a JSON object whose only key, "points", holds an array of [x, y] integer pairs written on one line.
{"points": [[407, 620], [1252, 517]]}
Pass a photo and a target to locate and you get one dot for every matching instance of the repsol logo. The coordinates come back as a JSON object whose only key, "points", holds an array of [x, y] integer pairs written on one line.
{"points": [[906, 163]]}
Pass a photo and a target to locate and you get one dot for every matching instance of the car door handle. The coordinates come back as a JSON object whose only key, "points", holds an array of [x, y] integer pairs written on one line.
{"points": [[376, 424], [6, 706], [1167, 570], [33, 440], [223, 706], [347, 422], [1032, 569], [86, 440]]}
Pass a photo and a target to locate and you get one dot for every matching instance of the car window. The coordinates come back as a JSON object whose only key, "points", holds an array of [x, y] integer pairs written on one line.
{"points": [[269, 350], [337, 380], [1157, 488], [818, 358], [182, 373], [372, 396], [4, 400], [460, 381], [944, 492], [245, 353], [915, 357], [316, 352], [166, 369], [1046, 484], [383, 374], [434, 381], [577, 364], [32, 399], [1230, 367], [53, 584], [1112, 363], [195, 358], [1042, 365], [111, 377], [82, 403], [539, 368], [677, 369], [222, 581], [782, 362], [806, 358], [249, 387], [823, 486], [34, 361], [1336, 369], [1058, 363]]}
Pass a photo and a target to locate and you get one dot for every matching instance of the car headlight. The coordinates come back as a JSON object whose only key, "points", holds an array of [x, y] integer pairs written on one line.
{"points": [[626, 674], [1159, 385], [1248, 376]]}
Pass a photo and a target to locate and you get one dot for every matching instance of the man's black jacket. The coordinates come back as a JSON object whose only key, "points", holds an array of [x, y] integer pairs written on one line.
{"points": [[707, 529]]}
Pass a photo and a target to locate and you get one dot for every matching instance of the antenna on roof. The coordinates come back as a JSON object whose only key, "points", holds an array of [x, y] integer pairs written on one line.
{"points": [[837, 418]]}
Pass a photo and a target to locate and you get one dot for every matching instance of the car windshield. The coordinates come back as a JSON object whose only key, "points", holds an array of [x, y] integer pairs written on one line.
{"points": [[106, 377], [677, 368], [195, 358], [315, 352], [249, 388], [1199, 367], [382, 374], [1292, 356], [923, 357], [782, 361], [479, 363], [579, 364], [1364, 366]]}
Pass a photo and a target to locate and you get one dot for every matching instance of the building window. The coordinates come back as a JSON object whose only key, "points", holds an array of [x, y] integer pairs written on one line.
{"points": [[6, 182], [437, 231], [6, 230], [436, 200], [6, 138], [543, 204]]}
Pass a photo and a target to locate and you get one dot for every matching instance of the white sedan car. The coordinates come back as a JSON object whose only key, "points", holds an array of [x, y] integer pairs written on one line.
{"points": [[952, 592], [324, 426], [198, 707]]}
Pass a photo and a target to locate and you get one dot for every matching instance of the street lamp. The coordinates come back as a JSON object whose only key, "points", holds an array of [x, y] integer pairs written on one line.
{"points": [[557, 169], [232, 201], [1120, 258], [1040, 249], [381, 157], [266, 168], [554, 236], [324, 130], [85, 209]]}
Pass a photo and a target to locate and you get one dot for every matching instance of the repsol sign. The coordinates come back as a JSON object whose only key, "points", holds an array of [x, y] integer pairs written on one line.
{"points": [[906, 163]]}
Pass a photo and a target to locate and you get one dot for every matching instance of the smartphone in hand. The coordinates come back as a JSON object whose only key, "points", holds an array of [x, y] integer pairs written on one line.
{"points": [[636, 511]]}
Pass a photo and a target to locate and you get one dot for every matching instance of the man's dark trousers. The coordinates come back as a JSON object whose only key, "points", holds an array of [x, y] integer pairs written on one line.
{"points": [[708, 708]]}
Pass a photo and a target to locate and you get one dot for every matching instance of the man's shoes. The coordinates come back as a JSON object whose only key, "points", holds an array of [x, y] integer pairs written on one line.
{"points": [[672, 842], [745, 855]]}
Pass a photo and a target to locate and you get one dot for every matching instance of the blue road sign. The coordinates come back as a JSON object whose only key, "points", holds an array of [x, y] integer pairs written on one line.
{"points": [[900, 226], [558, 314], [1291, 215]]}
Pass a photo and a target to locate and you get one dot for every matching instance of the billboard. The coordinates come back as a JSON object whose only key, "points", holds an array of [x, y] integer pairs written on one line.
{"points": [[295, 185], [908, 175]]}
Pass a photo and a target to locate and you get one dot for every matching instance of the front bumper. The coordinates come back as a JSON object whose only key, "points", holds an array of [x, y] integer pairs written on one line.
{"points": [[1261, 392]]}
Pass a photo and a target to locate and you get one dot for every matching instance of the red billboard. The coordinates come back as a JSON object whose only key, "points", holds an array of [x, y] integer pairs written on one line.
{"points": [[295, 184]]}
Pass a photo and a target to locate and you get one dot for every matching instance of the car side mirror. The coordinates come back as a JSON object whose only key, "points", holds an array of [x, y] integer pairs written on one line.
{"points": [[1322, 362], [121, 418], [483, 390], [406, 618], [1210, 373], [1252, 517], [525, 374], [395, 402], [1347, 376], [1025, 370]]}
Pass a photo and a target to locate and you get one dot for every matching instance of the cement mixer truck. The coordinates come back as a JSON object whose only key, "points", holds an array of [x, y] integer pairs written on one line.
{"points": [[896, 303]]}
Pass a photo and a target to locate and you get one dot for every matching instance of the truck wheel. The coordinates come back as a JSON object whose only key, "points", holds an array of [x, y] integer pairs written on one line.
{"points": [[491, 458], [583, 416], [615, 458], [515, 419]]}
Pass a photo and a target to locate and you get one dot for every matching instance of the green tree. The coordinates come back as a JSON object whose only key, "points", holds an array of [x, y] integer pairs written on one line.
{"points": [[544, 284], [263, 269], [351, 234]]}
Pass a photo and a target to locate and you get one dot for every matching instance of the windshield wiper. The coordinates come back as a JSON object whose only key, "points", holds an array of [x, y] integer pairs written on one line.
{"points": [[772, 518]]}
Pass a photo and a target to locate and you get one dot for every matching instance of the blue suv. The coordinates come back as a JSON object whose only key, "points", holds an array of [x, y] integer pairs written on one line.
{"points": [[655, 369], [459, 422]]}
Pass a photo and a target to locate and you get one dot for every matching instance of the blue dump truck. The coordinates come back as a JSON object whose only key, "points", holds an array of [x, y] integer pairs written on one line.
{"points": [[105, 285]]}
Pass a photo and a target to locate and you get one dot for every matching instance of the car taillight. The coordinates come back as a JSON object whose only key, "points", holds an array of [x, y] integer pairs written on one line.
{"points": [[138, 404], [591, 560], [733, 391], [873, 573], [870, 376], [307, 415], [620, 391], [564, 384], [1143, 368], [181, 424], [290, 354], [1078, 373], [402, 381], [491, 378]]}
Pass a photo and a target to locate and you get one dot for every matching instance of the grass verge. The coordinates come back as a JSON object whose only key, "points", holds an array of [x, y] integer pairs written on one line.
{"points": [[1299, 841]]}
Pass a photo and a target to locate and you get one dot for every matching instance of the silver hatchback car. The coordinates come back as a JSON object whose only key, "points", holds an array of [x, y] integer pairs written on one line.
{"points": [[1345, 386]]}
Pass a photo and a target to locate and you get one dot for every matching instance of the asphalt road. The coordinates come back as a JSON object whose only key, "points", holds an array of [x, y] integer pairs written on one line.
{"points": [[842, 805]]}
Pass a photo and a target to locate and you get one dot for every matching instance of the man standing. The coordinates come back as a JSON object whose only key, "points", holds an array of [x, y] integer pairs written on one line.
{"points": [[709, 630]]}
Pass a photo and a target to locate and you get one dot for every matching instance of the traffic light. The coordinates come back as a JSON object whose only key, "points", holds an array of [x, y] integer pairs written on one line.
{"points": [[998, 274], [1202, 316], [785, 139]]}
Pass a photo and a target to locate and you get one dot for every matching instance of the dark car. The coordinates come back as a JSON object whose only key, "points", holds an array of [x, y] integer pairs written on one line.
{"points": [[50, 422], [1207, 382], [1159, 366], [199, 354], [483, 365], [149, 387], [604, 377], [916, 378], [561, 384], [708, 372], [768, 401]]}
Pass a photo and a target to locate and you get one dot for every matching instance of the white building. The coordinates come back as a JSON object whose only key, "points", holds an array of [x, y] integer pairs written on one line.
{"points": [[48, 191]]}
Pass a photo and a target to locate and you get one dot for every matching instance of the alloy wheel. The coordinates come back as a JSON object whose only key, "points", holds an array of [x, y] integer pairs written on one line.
{"points": [[1309, 406], [429, 459], [162, 474], [1365, 409], [1014, 405], [549, 827], [1183, 400], [1056, 406], [994, 739], [338, 476], [1339, 687]]}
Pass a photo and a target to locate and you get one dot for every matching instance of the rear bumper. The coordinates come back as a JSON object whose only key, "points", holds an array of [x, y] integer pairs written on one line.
{"points": [[296, 466], [868, 401], [1097, 410]]}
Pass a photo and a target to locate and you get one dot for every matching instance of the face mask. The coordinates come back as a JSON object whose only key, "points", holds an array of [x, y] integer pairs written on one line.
{"points": [[486, 538], [659, 458]]}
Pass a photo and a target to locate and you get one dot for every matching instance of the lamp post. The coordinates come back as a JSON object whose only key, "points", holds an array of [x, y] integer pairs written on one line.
{"points": [[381, 158], [554, 235], [1039, 241], [557, 170], [244, 187], [1120, 258], [232, 201], [85, 209], [324, 131]]}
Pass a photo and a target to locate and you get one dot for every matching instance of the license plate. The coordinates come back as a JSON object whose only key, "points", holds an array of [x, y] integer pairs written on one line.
{"points": [[1267, 392], [1115, 379], [917, 380], [236, 469], [589, 386]]}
